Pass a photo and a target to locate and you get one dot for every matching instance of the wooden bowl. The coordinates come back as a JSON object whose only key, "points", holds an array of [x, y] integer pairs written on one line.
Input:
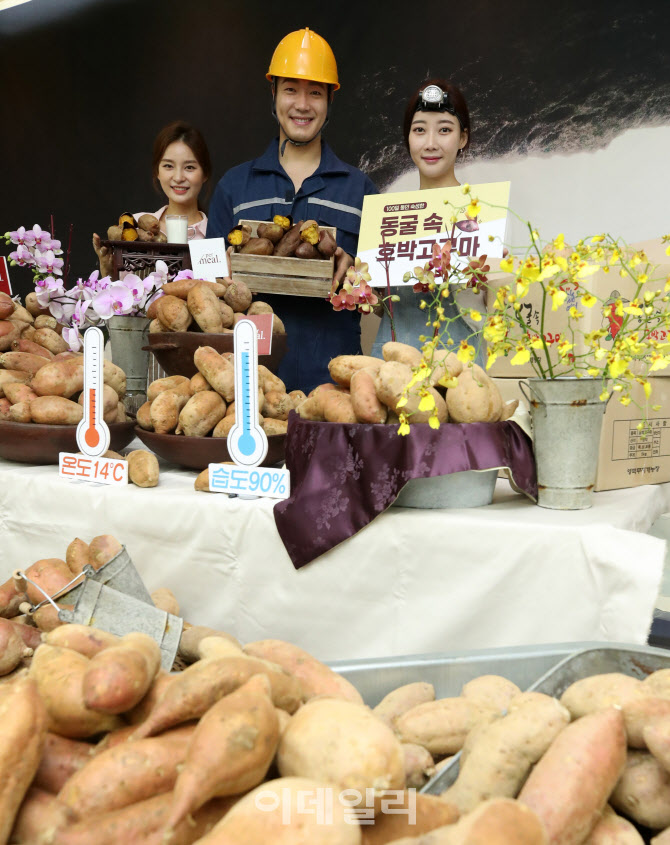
{"points": [[199, 452], [174, 350], [34, 443]]}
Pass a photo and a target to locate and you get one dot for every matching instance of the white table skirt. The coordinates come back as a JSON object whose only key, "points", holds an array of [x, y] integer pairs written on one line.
{"points": [[414, 581]]}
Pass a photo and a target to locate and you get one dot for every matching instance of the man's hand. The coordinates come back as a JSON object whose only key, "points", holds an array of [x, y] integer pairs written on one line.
{"points": [[343, 261], [105, 256]]}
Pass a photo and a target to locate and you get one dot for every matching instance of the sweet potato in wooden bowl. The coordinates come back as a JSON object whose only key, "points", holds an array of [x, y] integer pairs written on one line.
{"points": [[174, 350], [35, 443], [199, 452]]}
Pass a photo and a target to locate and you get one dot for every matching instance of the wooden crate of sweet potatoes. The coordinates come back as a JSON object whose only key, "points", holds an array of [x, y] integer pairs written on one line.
{"points": [[290, 259]]}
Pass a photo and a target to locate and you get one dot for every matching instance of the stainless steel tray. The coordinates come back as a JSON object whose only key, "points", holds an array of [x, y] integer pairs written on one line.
{"points": [[375, 677], [637, 661]]}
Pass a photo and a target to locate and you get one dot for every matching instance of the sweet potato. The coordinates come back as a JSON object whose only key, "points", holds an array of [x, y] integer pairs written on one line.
{"points": [[102, 549], [12, 647], [338, 407], [39, 817], [643, 792], [277, 405], [143, 469], [327, 244], [126, 773], [219, 647], [110, 403], [307, 250], [12, 594], [222, 428], [441, 726], [238, 296], [51, 340], [13, 377], [274, 813], [118, 677], [491, 689], [289, 242], [273, 427], [56, 410], [24, 362], [367, 408], [6, 307], [272, 231], [475, 398], [193, 691], [343, 367], [49, 576], [81, 638], [165, 599], [418, 763], [5, 406], [268, 381], [570, 785], [17, 392], [60, 759], [173, 313], [201, 414], [390, 382], [46, 321], [59, 673], [227, 315], [165, 410], [402, 699], [144, 417], [22, 314], [183, 286], [201, 483], [342, 743], [245, 727], [181, 384], [8, 334], [612, 829], [189, 643], [34, 348], [403, 352], [257, 246], [218, 371], [199, 383], [20, 412], [315, 677], [24, 726], [203, 304], [60, 378], [408, 815], [501, 753]]}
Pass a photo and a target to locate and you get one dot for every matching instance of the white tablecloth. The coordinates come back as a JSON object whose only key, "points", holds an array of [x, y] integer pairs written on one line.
{"points": [[411, 582]]}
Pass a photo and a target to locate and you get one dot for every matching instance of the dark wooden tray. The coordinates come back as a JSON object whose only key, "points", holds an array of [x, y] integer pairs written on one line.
{"points": [[174, 350], [199, 452], [34, 443]]}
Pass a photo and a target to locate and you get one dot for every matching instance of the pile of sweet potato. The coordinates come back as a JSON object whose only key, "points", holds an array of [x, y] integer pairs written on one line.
{"points": [[283, 238], [214, 307], [374, 390], [205, 404], [40, 379], [145, 229], [264, 743]]}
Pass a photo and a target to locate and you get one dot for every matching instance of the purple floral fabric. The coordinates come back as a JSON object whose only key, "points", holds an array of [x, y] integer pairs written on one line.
{"points": [[344, 475]]}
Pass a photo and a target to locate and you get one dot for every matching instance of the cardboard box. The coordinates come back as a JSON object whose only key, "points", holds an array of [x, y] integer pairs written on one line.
{"points": [[627, 457], [607, 285]]}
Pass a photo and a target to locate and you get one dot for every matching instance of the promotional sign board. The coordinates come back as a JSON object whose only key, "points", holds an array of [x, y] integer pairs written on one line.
{"points": [[92, 431], [5, 284], [247, 442], [208, 258], [398, 230]]}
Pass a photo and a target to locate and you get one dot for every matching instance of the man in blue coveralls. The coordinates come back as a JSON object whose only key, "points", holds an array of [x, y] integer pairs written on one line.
{"points": [[299, 175]]}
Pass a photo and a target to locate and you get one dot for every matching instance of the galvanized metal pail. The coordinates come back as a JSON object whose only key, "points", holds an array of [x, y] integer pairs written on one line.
{"points": [[127, 337], [567, 415]]}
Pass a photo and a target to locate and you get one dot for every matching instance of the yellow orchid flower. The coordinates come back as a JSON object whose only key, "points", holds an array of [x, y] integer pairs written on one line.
{"points": [[604, 396], [597, 239], [473, 209], [466, 188], [466, 352], [491, 357], [559, 241], [448, 381], [475, 315], [403, 428], [625, 400], [507, 264], [558, 297], [427, 402], [594, 372], [616, 255], [587, 270], [433, 421], [617, 366], [588, 300], [636, 259], [401, 402], [536, 342], [522, 356], [562, 263], [575, 314], [564, 348]]}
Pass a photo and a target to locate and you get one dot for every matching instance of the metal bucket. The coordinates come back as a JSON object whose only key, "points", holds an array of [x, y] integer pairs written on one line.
{"points": [[120, 574], [567, 415], [469, 489], [127, 337], [102, 607]]}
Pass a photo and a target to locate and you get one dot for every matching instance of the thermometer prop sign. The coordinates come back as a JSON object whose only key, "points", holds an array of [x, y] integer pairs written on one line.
{"points": [[92, 431], [247, 442]]}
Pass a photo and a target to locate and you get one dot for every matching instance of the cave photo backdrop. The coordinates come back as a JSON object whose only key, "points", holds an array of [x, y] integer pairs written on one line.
{"points": [[570, 101]]}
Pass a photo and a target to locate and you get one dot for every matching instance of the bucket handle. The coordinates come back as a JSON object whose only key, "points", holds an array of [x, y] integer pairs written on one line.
{"points": [[155, 346], [22, 580], [529, 387]]}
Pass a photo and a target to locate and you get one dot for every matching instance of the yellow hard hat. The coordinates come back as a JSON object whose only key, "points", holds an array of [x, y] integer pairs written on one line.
{"points": [[304, 55]]}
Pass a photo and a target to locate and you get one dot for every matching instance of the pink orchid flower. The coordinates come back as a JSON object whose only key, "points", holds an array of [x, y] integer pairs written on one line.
{"points": [[116, 300], [22, 256], [48, 263], [62, 308], [79, 317], [40, 236], [48, 288], [183, 274], [73, 339], [20, 236]]}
